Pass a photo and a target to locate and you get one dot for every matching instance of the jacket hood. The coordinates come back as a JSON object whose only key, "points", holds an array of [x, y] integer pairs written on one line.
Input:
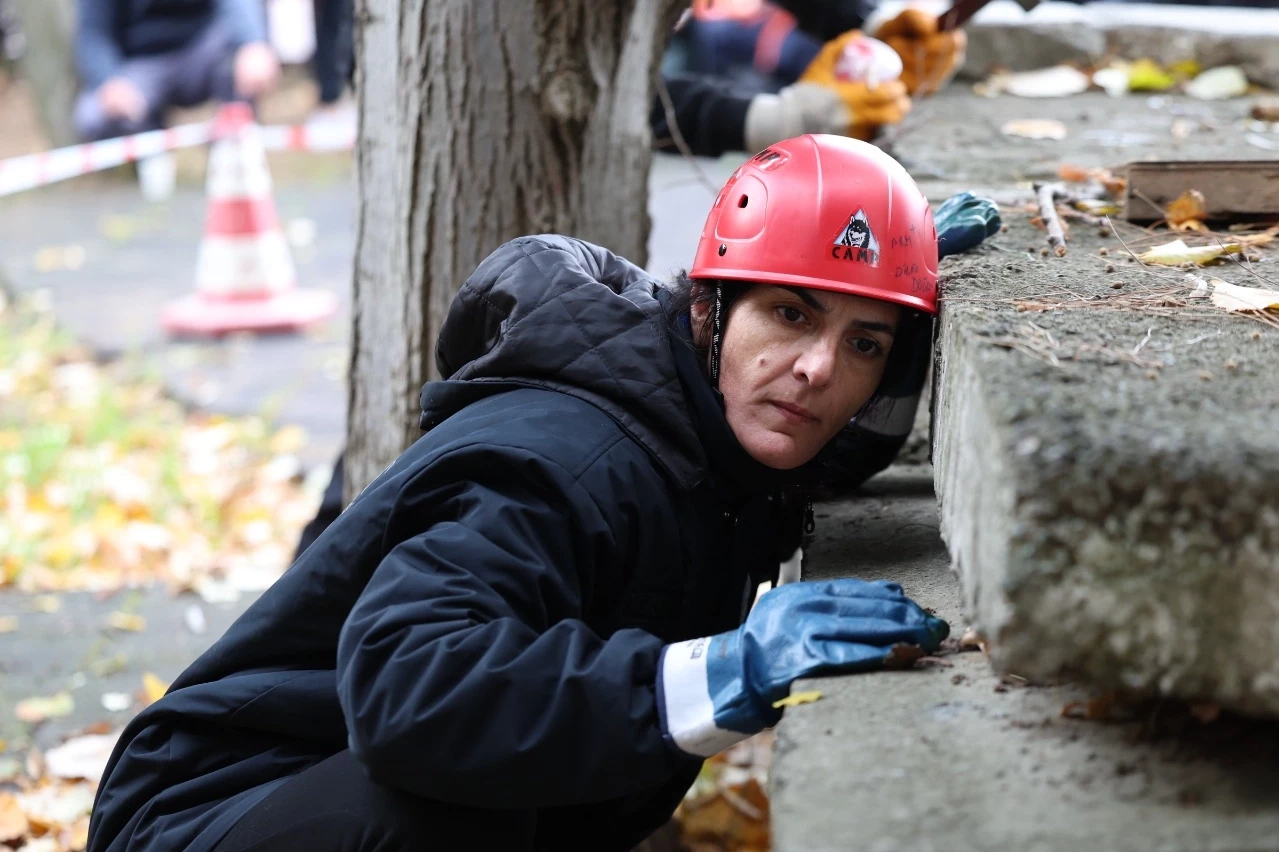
{"points": [[565, 315]]}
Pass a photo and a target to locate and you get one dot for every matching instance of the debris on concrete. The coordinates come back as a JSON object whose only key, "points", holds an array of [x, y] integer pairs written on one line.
{"points": [[1219, 84], [1035, 128], [1229, 190]]}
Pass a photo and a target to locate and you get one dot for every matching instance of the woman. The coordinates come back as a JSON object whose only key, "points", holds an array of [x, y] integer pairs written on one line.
{"points": [[531, 628]]}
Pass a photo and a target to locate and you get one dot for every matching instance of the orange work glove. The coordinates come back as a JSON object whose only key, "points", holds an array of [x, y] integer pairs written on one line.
{"points": [[929, 58], [869, 106]]}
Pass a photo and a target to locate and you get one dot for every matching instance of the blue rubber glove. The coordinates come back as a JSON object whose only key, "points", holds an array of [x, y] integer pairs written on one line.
{"points": [[716, 691], [963, 221]]}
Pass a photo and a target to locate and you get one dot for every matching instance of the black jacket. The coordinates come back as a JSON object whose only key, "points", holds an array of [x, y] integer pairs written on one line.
{"points": [[482, 625], [111, 31]]}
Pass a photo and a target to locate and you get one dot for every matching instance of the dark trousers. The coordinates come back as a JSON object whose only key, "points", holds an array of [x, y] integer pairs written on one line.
{"points": [[202, 70], [334, 47], [334, 807]]}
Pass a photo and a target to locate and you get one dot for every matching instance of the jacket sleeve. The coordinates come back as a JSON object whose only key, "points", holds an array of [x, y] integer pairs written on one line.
{"points": [[711, 119], [98, 57], [827, 19], [464, 671]]}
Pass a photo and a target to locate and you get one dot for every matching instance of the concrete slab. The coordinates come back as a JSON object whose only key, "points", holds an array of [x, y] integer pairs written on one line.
{"points": [[1112, 505], [950, 758]]}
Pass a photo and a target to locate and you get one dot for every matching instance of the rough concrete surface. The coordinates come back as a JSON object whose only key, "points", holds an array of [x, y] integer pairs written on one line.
{"points": [[1109, 513], [950, 758]]}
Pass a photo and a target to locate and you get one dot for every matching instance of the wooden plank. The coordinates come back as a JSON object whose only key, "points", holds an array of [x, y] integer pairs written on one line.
{"points": [[1232, 189]]}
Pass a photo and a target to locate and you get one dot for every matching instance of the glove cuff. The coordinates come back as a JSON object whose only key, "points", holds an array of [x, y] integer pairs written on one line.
{"points": [[797, 109], [875, 20], [684, 702]]}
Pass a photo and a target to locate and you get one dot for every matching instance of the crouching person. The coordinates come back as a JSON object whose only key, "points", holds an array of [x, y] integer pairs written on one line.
{"points": [[529, 631]]}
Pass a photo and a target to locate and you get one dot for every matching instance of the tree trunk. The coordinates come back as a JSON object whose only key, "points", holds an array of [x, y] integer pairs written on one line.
{"points": [[480, 121], [46, 63]]}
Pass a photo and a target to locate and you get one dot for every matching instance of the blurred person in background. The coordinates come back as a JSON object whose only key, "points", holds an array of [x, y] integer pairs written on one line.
{"points": [[742, 74], [136, 58], [333, 62]]}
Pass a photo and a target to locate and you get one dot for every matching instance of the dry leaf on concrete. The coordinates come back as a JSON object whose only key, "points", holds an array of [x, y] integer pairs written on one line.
{"points": [[1177, 253], [13, 822], [128, 621], [798, 698], [972, 640], [153, 689], [1232, 297], [39, 708], [1094, 709], [1187, 212], [81, 757], [902, 656], [1035, 128]]}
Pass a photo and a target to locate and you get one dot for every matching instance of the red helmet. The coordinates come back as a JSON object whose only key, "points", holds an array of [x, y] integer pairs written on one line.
{"points": [[826, 212]]}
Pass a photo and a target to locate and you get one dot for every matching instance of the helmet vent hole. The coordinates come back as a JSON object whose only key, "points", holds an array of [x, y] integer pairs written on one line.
{"points": [[742, 202], [723, 248]]}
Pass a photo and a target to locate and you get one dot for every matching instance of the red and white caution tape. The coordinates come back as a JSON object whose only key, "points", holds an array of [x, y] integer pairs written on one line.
{"points": [[34, 170], [20, 173]]}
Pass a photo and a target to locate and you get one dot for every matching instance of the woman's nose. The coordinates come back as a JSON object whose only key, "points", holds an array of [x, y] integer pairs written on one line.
{"points": [[816, 364]]}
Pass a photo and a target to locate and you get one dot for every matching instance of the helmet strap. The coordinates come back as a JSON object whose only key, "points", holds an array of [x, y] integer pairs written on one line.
{"points": [[717, 333]]}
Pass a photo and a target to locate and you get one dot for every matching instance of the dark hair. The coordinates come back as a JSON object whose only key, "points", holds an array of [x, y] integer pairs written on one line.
{"points": [[902, 361]]}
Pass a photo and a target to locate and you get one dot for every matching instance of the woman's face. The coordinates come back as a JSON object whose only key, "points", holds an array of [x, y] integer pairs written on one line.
{"points": [[796, 364]]}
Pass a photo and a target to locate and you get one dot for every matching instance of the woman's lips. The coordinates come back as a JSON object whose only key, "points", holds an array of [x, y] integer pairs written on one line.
{"points": [[793, 413]]}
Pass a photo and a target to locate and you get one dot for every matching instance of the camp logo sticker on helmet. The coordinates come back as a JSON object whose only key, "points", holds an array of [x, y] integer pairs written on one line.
{"points": [[856, 241]]}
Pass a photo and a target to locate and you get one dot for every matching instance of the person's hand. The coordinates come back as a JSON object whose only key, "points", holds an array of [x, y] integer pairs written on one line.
{"points": [[929, 58], [256, 70], [845, 109], [870, 103], [122, 100], [963, 221], [719, 690]]}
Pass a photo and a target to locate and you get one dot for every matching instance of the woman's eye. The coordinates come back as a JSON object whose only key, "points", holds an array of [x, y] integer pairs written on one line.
{"points": [[866, 346], [790, 314]]}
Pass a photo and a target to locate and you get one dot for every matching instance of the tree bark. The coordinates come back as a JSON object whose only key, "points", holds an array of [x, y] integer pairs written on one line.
{"points": [[46, 63], [480, 121]]}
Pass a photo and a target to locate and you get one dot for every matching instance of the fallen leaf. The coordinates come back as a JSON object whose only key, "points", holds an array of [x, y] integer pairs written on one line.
{"points": [[47, 604], [55, 805], [129, 621], [8, 624], [81, 757], [1262, 238], [1232, 297], [116, 702], [13, 822], [1094, 709], [902, 656], [1187, 211], [1265, 109], [1177, 252], [1056, 82], [1229, 81], [38, 708], [1074, 174], [1145, 75], [1035, 128], [153, 688], [798, 698], [972, 640]]}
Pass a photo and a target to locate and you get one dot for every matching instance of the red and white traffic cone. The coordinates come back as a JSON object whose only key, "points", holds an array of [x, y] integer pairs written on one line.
{"points": [[244, 279]]}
